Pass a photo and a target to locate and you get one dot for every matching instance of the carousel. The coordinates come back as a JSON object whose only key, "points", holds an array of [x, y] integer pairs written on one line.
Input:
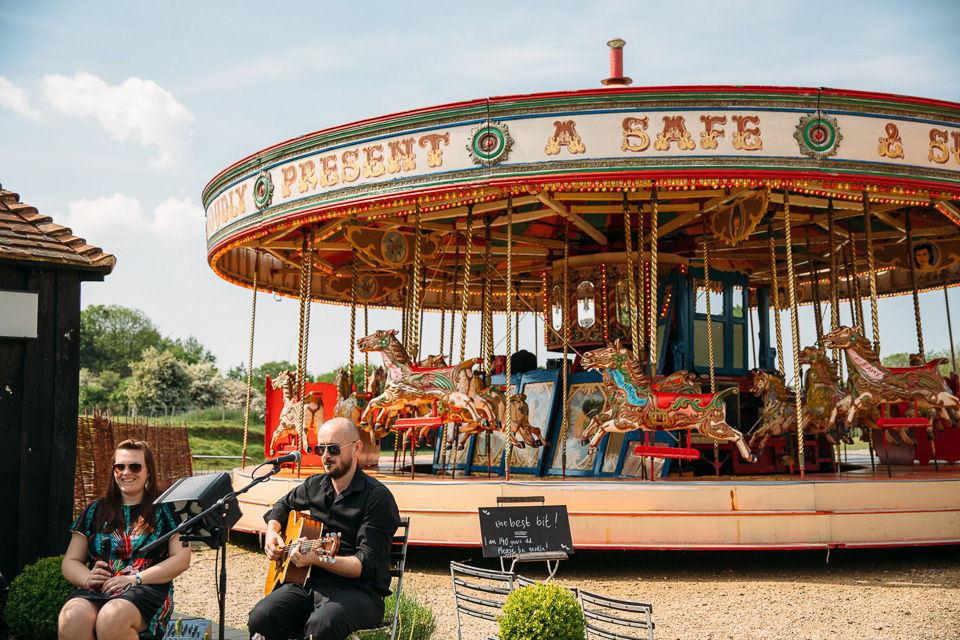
{"points": [[666, 238]]}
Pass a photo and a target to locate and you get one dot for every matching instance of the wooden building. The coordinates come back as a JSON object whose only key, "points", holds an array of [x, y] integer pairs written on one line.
{"points": [[41, 267]]}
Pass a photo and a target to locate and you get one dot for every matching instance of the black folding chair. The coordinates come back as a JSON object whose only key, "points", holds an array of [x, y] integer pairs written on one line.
{"points": [[615, 618], [398, 561], [480, 593]]}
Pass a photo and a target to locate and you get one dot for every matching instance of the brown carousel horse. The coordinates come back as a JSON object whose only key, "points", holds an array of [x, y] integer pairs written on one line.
{"points": [[631, 402], [312, 412], [780, 410], [350, 404], [513, 419], [873, 385], [827, 399], [410, 386]]}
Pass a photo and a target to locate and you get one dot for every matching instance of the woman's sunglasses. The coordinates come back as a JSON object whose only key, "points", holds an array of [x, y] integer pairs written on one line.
{"points": [[334, 449], [135, 467]]}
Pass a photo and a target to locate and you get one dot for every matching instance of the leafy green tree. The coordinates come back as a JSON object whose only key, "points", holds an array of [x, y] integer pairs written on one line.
{"points": [[112, 336], [896, 360], [188, 351], [159, 382]]}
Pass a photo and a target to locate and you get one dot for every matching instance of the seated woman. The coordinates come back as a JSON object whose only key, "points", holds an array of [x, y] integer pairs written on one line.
{"points": [[126, 591]]}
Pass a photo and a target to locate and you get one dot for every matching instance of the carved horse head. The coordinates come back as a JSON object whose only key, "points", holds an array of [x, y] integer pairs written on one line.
{"points": [[285, 380], [385, 341], [846, 338]]}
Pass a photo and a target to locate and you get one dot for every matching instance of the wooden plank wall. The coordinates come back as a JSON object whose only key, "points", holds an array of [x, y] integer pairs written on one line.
{"points": [[39, 388]]}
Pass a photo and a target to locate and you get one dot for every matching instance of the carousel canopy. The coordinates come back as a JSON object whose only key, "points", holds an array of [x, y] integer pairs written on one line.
{"points": [[725, 166]]}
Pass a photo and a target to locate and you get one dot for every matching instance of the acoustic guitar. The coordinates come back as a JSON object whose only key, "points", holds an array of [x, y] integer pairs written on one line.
{"points": [[324, 545]]}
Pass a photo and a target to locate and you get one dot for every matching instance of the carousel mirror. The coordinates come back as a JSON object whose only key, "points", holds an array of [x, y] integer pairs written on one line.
{"points": [[556, 310], [586, 304], [622, 302]]}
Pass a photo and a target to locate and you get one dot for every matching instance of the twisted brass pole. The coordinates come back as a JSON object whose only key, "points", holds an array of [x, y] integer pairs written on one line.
{"points": [[795, 328], [253, 324]]}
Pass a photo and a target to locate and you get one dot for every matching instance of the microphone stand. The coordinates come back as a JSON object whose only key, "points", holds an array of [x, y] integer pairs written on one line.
{"points": [[218, 537]]}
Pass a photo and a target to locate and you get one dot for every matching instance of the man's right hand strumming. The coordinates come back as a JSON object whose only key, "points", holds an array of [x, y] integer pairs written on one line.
{"points": [[273, 544]]}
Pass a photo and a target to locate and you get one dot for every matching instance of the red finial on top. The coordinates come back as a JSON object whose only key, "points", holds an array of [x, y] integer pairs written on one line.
{"points": [[616, 64]]}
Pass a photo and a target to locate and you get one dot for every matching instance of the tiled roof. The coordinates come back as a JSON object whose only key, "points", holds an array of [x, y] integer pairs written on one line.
{"points": [[26, 235]]}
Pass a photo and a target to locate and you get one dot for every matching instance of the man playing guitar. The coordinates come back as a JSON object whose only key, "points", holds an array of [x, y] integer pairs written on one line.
{"points": [[345, 595]]}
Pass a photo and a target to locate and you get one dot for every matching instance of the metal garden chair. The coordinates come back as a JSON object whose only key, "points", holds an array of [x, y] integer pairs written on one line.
{"points": [[479, 593], [615, 618]]}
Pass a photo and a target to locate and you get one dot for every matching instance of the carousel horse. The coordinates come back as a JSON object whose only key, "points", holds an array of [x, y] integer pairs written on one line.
{"points": [[350, 404], [312, 405], [826, 398], [409, 386], [431, 362], [873, 385], [780, 410], [631, 402], [513, 418]]}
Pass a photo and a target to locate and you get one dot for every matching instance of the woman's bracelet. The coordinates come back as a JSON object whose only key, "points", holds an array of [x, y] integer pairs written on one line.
{"points": [[89, 575]]}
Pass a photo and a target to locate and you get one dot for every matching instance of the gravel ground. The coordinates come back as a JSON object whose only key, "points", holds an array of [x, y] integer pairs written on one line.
{"points": [[859, 594]]}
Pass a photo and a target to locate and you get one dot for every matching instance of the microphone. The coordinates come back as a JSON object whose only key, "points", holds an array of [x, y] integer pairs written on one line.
{"points": [[105, 544], [290, 457]]}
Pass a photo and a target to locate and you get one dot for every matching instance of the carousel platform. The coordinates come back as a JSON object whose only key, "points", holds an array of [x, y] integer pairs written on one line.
{"points": [[860, 507]]}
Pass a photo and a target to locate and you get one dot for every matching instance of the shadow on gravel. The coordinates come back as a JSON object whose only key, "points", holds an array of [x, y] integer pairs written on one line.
{"points": [[932, 566], [918, 566]]}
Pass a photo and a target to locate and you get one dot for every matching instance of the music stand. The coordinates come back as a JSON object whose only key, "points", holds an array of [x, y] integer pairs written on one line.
{"points": [[212, 524]]}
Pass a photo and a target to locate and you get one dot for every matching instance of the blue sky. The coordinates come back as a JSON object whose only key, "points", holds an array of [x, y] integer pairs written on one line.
{"points": [[114, 115]]}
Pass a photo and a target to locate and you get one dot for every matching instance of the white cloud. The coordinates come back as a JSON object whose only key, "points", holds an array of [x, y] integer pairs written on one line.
{"points": [[119, 218], [15, 98], [138, 109], [179, 219], [104, 219]]}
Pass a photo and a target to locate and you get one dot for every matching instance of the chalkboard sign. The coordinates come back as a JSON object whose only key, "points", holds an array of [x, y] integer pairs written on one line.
{"points": [[508, 531], [190, 629]]}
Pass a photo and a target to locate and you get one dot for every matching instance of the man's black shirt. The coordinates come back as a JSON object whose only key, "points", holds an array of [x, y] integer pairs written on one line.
{"points": [[365, 515]]}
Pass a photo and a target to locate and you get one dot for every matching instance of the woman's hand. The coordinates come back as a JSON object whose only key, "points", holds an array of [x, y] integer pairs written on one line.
{"points": [[98, 576], [119, 583]]}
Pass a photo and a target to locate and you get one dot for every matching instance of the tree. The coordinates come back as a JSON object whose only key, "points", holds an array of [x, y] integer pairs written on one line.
{"points": [[206, 385], [158, 382], [235, 397], [111, 337], [188, 351]]}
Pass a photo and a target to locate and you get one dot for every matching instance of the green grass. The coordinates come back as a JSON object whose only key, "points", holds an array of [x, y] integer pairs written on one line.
{"points": [[215, 437]]}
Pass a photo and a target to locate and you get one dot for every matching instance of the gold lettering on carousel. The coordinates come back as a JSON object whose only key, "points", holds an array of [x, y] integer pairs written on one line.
{"points": [[892, 145], [938, 150], [307, 178], [709, 135], [634, 128], [564, 135], [674, 130], [402, 157], [956, 145], [435, 153], [373, 161], [351, 170], [747, 138], [289, 177], [328, 171], [241, 191]]}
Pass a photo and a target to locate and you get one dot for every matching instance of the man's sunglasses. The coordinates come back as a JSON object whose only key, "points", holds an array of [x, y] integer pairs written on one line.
{"points": [[135, 467], [334, 449]]}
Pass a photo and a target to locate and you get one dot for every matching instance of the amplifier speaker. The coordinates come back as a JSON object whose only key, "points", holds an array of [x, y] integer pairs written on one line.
{"points": [[191, 496]]}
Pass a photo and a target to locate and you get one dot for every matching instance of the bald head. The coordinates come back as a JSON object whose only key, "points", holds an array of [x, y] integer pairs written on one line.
{"points": [[338, 430]]}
